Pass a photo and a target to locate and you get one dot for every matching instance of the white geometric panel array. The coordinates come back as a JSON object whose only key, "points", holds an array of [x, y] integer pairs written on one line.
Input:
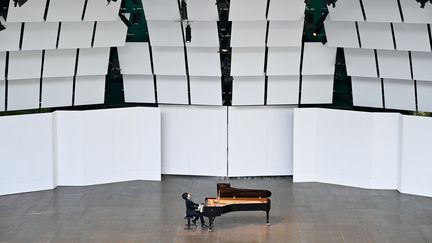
{"points": [[248, 90], [172, 89], [25, 64], [317, 89], [205, 90], [248, 33], [89, 90], [139, 88], [414, 14], [318, 59], [203, 61], [247, 61], [424, 95], [23, 94], [399, 94], [202, 10], [65, 10], [286, 10], [134, 58], [256, 10], [367, 92], [347, 10], [93, 61], [394, 64], [59, 63], [2, 94], [40, 35], [10, 37], [376, 35], [76, 35], [412, 37], [31, 11], [168, 60], [161, 9], [283, 61], [282, 90], [165, 33], [57, 92], [360, 62], [382, 11], [2, 66], [341, 34], [101, 10], [110, 33], [285, 33], [204, 34], [422, 64]]}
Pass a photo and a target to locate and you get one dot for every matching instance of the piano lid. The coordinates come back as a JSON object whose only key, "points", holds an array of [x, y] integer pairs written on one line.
{"points": [[225, 190]]}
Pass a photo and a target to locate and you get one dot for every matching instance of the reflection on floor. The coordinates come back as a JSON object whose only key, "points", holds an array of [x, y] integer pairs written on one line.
{"points": [[142, 211]]}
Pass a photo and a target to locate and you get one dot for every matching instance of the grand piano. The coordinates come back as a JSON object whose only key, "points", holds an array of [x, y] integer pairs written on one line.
{"points": [[230, 199]]}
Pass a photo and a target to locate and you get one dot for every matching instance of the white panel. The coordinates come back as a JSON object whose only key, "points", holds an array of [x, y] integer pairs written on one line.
{"points": [[399, 94], [134, 58], [30, 61], [406, 33], [256, 10], [199, 67], [248, 33], [347, 10], [165, 33], [59, 63], [139, 88], [341, 34], [89, 90], [367, 92], [376, 36], [2, 65], [161, 9], [285, 33], [10, 37], [169, 60], [286, 10], [57, 92], [247, 61], [382, 11], [2, 95], [76, 35], [39, 36], [260, 141], [203, 10], [206, 90], [192, 135], [110, 33], [93, 61], [414, 14], [282, 90], [204, 34], [317, 90], [424, 95], [394, 64], [31, 11], [100, 10], [421, 64], [65, 10], [318, 59], [172, 89], [283, 61], [248, 90], [360, 62], [23, 94]]}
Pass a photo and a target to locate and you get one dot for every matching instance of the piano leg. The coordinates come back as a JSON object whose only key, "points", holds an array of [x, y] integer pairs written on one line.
{"points": [[211, 219], [267, 217]]}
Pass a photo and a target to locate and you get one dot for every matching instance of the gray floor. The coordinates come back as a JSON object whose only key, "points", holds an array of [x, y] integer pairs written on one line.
{"points": [[141, 211]]}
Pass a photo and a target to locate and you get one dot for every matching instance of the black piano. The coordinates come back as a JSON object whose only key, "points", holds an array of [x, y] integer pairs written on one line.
{"points": [[230, 199]]}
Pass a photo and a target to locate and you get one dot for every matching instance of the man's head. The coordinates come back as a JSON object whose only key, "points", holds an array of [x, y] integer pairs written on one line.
{"points": [[186, 195]]}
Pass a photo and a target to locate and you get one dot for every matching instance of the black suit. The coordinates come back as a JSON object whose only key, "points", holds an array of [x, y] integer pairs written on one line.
{"points": [[191, 208]]}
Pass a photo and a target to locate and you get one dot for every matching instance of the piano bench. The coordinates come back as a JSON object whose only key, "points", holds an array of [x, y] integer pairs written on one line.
{"points": [[188, 225]]}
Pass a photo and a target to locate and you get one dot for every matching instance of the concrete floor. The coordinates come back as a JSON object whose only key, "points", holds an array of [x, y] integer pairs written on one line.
{"points": [[142, 211]]}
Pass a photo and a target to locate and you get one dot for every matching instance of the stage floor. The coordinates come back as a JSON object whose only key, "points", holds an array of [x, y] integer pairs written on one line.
{"points": [[141, 211]]}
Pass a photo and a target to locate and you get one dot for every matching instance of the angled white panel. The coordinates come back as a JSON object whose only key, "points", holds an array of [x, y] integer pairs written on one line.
{"points": [[256, 10], [139, 88], [347, 10], [394, 64], [422, 63], [204, 34], [202, 10], [247, 61], [165, 33], [59, 63], [282, 90], [285, 33], [169, 60], [110, 33], [39, 36], [360, 62], [399, 94], [286, 10], [367, 92], [25, 64], [248, 90], [382, 11], [205, 90], [10, 37], [76, 35], [101, 10], [341, 34], [89, 90], [65, 10], [424, 95], [172, 89], [93, 61], [317, 90], [2, 65], [412, 37], [414, 14], [283, 61], [161, 9], [199, 67], [376, 35], [23, 94], [2, 95], [57, 92], [134, 58], [318, 59], [248, 33], [31, 11]]}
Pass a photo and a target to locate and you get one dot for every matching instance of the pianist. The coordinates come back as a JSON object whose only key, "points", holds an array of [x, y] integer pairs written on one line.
{"points": [[192, 209]]}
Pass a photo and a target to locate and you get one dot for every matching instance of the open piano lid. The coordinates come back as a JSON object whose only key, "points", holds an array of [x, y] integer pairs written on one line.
{"points": [[225, 190]]}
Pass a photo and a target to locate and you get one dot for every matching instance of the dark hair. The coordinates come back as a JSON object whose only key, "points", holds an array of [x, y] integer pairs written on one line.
{"points": [[184, 195]]}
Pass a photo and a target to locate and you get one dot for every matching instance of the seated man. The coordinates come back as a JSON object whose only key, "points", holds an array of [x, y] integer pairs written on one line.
{"points": [[192, 209]]}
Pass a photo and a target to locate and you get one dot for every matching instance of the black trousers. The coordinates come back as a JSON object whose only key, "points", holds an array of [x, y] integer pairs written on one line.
{"points": [[197, 215]]}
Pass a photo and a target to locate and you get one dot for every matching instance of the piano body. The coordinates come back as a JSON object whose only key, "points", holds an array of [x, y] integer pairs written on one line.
{"points": [[230, 199]]}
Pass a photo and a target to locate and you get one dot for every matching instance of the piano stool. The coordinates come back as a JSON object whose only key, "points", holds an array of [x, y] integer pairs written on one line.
{"points": [[188, 225]]}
